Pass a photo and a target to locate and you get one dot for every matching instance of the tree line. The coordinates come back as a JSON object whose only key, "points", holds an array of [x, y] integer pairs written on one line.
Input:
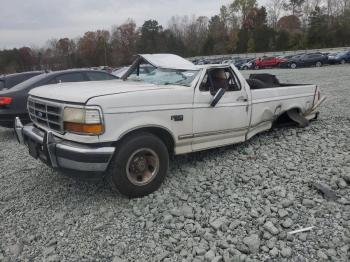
{"points": [[240, 27]]}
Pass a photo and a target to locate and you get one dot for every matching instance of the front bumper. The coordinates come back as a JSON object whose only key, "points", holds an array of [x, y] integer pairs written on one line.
{"points": [[62, 154]]}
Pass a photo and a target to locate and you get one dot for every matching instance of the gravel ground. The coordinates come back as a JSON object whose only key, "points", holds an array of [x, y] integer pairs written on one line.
{"points": [[231, 204]]}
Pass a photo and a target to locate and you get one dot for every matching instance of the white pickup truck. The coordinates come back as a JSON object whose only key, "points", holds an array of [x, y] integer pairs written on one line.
{"points": [[163, 105]]}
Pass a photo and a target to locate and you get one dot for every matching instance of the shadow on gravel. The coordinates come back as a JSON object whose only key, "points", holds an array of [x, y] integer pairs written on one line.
{"points": [[7, 134], [61, 185], [43, 184], [42, 180], [81, 186]]}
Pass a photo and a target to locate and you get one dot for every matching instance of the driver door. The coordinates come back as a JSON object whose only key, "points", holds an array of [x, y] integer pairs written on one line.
{"points": [[228, 121]]}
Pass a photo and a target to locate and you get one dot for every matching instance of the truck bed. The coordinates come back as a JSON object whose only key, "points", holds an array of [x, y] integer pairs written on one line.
{"points": [[263, 81], [271, 102]]}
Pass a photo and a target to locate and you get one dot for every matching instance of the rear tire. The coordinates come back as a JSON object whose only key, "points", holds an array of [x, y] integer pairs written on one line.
{"points": [[293, 65], [343, 62], [139, 165], [318, 64]]}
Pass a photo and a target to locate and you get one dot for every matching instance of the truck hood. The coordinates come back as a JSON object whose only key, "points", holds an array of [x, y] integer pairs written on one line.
{"points": [[83, 91]]}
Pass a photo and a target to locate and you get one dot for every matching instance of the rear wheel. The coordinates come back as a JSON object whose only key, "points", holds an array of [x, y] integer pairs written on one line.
{"points": [[257, 67], [293, 65], [139, 166], [318, 64], [245, 67], [342, 61]]}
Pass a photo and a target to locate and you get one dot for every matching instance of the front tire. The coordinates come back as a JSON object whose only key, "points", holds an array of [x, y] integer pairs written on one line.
{"points": [[342, 62], [293, 65], [139, 166], [318, 64]]}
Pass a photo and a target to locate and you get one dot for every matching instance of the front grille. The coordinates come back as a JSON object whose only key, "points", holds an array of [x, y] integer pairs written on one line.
{"points": [[46, 113]]}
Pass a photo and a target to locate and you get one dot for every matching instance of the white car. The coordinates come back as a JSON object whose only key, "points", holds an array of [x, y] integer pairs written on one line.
{"points": [[128, 128], [248, 65], [226, 62]]}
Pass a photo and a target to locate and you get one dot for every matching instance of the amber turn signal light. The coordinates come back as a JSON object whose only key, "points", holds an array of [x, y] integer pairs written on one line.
{"points": [[90, 129]]}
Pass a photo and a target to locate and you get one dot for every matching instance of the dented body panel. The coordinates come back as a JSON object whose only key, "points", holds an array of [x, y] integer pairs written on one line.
{"points": [[268, 104]]}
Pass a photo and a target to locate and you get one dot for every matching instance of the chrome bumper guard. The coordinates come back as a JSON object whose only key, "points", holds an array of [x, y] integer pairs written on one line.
{"points": [[62, 154]]}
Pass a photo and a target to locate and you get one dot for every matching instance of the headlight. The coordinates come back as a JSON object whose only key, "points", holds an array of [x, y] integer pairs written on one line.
{"points": [[87, 121]]}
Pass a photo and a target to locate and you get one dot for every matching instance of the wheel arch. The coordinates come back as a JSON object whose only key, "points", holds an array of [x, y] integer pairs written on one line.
{"points": [[283, 116], [161, 132]]}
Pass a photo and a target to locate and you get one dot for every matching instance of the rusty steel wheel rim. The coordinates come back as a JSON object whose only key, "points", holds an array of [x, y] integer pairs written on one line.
{"points": [[142, 166]]}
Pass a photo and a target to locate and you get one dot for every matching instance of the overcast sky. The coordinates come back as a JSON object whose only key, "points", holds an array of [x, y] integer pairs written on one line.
{"points": [[33, 22]]}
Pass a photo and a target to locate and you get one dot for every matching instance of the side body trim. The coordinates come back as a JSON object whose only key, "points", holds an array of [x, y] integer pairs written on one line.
{"points": [[212, 133]]}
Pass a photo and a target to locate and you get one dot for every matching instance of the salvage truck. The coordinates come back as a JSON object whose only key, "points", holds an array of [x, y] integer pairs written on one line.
{"points": [[127, 129]]}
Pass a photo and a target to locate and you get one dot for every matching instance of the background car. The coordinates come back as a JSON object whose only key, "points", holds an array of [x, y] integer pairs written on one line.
{"points": [[240, 62], [286, 63], [268, 62], [202, 62], [227, 62], [339, 58], [286, 57], [8, 81], [307, 60], [215, 61], [248, 65], [13, 102]]}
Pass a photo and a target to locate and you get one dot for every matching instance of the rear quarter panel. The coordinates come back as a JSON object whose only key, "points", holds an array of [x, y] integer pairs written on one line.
{"points": [[268, 104]]}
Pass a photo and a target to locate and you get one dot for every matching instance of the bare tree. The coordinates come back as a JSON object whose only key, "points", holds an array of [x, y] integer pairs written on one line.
{"points": [[274, 10], [123, 42], [345, 4], [242, 7], [192, 31], [308, 7], [295, 6], [175, 25], [229, 16]]}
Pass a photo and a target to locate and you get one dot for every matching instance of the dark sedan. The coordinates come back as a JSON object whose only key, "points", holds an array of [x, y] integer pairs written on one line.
{"points": [[286, 64], [240, 62], [306, 60], [339, 58], [13, 102], [8, 81]]}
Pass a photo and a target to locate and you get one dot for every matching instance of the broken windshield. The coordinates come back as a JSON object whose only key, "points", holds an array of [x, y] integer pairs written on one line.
{"points": [[161, 76]]}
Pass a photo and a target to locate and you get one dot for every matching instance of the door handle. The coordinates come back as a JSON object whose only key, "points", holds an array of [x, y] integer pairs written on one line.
{"points": [[242, 99]]}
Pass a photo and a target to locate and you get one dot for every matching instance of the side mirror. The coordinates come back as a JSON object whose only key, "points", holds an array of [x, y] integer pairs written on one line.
{"points": [[219, 94]]}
